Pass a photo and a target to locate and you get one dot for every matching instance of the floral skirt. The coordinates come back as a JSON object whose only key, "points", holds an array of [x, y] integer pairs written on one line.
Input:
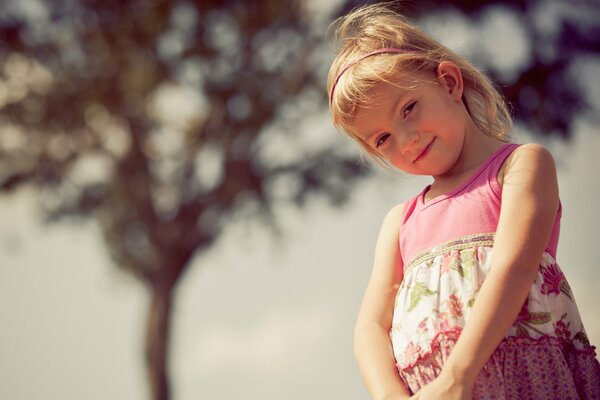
{"points": [[544, 355]]}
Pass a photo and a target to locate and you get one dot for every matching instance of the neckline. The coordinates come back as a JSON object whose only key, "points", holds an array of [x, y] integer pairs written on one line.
{"points": [[465, 183]]}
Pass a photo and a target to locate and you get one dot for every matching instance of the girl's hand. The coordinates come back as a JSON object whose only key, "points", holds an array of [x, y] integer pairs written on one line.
{"points": [[445, 387]]}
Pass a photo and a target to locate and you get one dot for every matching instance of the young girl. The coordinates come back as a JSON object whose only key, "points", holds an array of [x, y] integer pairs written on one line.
{"points": [[466, 299]]}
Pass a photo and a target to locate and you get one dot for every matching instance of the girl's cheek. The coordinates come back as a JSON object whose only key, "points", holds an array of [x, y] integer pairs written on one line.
{"points": [[390, 148], [394, 154]]}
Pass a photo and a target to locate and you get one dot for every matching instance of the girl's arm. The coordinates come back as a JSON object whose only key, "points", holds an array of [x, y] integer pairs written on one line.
{"points": [[372, 346], [529, 206]]}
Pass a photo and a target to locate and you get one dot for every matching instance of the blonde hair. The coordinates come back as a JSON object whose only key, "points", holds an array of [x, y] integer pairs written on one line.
{"points": [[369, 29]]}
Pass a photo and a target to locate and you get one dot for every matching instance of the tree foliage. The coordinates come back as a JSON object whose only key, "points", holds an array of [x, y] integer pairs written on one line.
{"points": [[88, 78]]}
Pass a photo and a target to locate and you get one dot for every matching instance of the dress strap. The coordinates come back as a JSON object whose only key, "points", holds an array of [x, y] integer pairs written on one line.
{"points": [[495, 165], [409, 208]]}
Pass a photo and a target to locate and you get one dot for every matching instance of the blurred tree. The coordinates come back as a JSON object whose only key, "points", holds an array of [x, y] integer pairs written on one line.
{"points": [[159, 119], [164, 119]]}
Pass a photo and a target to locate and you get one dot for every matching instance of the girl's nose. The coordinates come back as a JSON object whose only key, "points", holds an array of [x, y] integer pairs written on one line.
{"points": [[408, 141]]}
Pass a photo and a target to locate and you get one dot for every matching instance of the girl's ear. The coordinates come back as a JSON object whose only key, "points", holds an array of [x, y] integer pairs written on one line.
{"points": [[450, 78]]}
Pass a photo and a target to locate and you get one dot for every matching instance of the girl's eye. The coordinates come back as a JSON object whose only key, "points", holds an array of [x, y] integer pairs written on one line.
{"points": [[409, 108], [381, 139]]}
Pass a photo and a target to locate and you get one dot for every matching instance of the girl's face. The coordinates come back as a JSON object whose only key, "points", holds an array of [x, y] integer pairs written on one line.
{"points": [[419, 130]]}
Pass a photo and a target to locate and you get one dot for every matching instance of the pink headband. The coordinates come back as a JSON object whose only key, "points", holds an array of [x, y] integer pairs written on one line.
{"points": [[351, 63]]}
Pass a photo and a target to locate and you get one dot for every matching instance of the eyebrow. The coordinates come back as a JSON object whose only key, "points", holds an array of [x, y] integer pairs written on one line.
{"points": [[390, 114]]}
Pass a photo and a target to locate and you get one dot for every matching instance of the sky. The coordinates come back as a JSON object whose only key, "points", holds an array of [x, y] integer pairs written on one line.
{"points": [[258, 316]]}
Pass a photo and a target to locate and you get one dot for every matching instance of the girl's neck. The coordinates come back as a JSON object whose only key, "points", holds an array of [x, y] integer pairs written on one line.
{"points": [[477, 147]]}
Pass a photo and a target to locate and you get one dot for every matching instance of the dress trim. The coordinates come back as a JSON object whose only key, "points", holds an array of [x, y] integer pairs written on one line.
{"points": [[463, 242]]}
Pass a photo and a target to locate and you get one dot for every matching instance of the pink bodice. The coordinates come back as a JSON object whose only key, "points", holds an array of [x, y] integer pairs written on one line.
{"points": [[470, 209]]}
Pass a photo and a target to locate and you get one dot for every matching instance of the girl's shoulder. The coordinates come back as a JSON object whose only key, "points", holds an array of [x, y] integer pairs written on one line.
{"points": [[394, 215], [530, 158], [392, 222]]}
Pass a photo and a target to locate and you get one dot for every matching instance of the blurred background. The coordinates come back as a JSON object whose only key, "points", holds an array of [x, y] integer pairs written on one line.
{"points": [[179, 219]]}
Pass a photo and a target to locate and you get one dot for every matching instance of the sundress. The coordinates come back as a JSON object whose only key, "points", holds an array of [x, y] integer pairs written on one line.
{"points": [[447, 244]]}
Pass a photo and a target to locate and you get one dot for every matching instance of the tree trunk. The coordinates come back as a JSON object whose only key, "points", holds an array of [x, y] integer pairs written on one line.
{"points": [[157, 342]]}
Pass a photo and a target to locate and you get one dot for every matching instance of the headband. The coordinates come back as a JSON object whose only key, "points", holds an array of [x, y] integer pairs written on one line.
{"points": [[351, 63]]}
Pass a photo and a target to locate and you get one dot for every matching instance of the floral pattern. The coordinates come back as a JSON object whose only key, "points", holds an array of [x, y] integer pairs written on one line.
{"points": [[526, 321], [417, 294], [555, 281], [435, 299], [454, 306]]}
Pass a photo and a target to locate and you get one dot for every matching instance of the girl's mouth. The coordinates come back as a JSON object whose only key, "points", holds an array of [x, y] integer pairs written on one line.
{"points": [[425, 151]]}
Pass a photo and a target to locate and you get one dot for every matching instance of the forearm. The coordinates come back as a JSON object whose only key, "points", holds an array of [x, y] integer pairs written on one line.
{"points": [[376, 363], [498, 303]]}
